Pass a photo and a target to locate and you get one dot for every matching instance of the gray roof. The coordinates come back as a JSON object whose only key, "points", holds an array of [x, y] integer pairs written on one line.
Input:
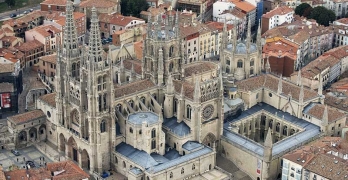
{"points": [[162, 34], [309, 132], [136, 171], [137, 156], [172, 154], [180, 129], [241, 48], [139, 117], [192, 145], [180, 160], [228, 103]]}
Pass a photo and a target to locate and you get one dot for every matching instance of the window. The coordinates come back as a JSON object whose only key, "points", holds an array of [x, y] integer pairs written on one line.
{"points": [[182, 171], [270, 94], [240, 64], [153, 133], [171, 175], [140, 132], [48, 114], [193, 167], [252, 62], [116, 160], [153, 144], [124, 165], [171, 51], [131, 130], [103, 126], [228, 62], [278, 127], [188, 112], [43, 63]]}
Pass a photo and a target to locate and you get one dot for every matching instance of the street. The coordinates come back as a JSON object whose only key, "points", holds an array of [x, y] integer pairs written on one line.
{"points": [[6, 15]]}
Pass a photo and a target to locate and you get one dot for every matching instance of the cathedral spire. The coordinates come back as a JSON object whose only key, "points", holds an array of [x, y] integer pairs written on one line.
{"points": [[149, 23], [248, 38], [325, 118], [70, 34], [301, 96], [95, 50], [268, 66], [280, 84], [320, 87], [197, 91], [258, 37], [299, 78]]}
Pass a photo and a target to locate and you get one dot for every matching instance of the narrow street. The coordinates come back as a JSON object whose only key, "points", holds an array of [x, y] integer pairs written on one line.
{"points": [[6, 15]]}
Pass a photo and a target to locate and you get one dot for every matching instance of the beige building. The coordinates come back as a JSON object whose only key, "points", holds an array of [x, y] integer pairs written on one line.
{"points": [[48, 35], [102, 6]]}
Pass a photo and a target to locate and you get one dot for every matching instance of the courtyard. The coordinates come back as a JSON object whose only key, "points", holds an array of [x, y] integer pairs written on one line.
{"points": [[7, 158]]}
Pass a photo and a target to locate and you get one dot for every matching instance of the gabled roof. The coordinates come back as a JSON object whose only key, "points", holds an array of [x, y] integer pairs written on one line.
{"points": [[97, 4], [26, 117]]}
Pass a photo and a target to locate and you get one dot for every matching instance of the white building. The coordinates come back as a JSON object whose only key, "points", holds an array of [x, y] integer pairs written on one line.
{"points": [[277, 17]]}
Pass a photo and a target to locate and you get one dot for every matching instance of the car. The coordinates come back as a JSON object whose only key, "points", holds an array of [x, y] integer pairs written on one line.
{"points": [[31, 10], [13, 15], [30, 164], [25, 12], [15, 152], [110, 39]]}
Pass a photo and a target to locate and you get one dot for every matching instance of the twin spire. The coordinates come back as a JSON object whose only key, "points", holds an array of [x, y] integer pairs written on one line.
{"points": [[70, 35], [95, 51]]}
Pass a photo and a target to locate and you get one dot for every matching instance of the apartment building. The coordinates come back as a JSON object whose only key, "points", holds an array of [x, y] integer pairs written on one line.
{"points": [[32, 50], [102, 6], [276, 17], [48, 35], [57, 19], [53, 5]]}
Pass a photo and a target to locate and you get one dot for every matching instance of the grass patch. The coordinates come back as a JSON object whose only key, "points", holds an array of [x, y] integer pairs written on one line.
{"points": [[19, 4]]}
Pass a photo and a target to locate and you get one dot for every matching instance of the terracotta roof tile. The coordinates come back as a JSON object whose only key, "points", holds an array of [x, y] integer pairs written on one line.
{"points": [[235, 12], [43, 30], [317, 111], [50, 99], [27, 116], [278, 11], [133, 87], [55, 2], [341, 104], [271, 82], [213, 25], [199, 67], [6, 87], [27, 46], [328, 166], [281, 47], [188, 88], [244, 5], [97, 3], [343, 20], [52, 58], [117, 19], [136, 64]]}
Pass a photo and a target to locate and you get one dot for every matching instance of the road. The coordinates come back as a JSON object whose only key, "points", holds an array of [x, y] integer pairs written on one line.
{"points": [[6, 15]]}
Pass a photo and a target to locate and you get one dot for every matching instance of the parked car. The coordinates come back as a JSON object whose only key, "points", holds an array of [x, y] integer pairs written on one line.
{"points": [[15, 152], [26, 12], [110, 39], [13, 15], [31, 10]]}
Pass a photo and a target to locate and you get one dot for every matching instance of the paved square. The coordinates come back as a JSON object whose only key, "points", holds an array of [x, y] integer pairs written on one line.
{"points": [[30, 154]]}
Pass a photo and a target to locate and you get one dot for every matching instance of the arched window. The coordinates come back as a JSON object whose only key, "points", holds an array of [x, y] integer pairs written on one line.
{"points": [[142, 99], [119, 107], [251, 71], [188, 112], [227, 69], [171, 51], [193, 167], [103, 126], [131, 130], [131, 103], [124, 164], [240, 64], [153, 144], [270, 124], [151, 50], [182, 171], [285, 130], [175, 105], [171, 175], [171, 67], [104, 82], [153, 133], [263, 120], [116, 160], [292, 132], [278, 127], [252, 62]]}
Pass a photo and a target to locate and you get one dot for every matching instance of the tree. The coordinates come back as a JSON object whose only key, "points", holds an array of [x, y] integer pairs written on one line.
{"points": [[322, 15], [133, 7], [10, 2], [304, 7]]}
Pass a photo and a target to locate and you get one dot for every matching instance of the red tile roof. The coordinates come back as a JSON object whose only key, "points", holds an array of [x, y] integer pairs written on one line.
{"points": [[278, 11], [27, 116], [117, 19], [317, 111], [199, 67], [55, 2], [27, 46], [49, 99], [97, 4], [133, 87]]}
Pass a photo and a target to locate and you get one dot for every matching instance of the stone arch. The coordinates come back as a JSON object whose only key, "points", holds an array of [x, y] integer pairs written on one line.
{"points": [[75, 117], [209, 139], [72, 149], [171, 51], [61, 142], [22, 136], [285, 130], [85, 159], [33, 134], [42, 132]]}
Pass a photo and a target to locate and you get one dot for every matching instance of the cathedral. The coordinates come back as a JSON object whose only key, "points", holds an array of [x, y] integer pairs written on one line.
{"points": [[155, 118]]}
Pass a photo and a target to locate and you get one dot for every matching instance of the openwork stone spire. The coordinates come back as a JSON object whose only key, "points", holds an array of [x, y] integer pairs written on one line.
{"points": [[95, 47], [248, 38], [70, 34]]}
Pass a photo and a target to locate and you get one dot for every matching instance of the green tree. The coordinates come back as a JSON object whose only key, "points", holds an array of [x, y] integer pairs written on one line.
{"points": [[322, 15], [10, 2], [133, 7], [300, 9]]}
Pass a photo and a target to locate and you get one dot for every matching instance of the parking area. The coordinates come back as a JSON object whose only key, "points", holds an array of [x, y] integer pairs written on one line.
{"points": [[7, 158]]}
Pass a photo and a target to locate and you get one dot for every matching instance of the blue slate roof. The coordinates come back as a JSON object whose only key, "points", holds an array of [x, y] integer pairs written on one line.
{"points": [[136, 171], [310, 131], [180, 129], [172, 154], [192, 145], [139, 117], [137, 156]]}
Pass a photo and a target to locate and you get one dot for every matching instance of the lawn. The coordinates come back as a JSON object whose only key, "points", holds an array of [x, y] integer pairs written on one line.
{"points": [[19, 4]]}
